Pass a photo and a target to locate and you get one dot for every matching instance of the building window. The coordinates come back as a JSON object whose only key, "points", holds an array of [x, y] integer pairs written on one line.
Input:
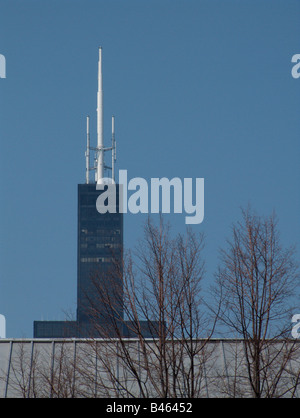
{"points": [[96, 259]]}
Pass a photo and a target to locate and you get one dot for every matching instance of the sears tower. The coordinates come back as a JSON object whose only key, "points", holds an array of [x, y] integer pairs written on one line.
{"points": [[99, 247]]}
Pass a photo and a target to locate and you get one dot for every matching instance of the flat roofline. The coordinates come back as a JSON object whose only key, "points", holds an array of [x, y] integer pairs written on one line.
{"points": [[13, 340]]}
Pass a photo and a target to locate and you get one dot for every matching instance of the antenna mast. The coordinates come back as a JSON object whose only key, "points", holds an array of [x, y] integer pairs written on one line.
{"points": [[113, 148], [100, 153], [87, 153], [99, 164]]}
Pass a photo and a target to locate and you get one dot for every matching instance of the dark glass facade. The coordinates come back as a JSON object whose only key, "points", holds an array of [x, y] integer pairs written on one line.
{"points": [[100, 246], [99, 255], [55, 329]]}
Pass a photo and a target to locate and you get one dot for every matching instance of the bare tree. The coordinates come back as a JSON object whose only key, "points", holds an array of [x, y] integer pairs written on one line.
{"points": [[256, 282], [22, 379], [162, 309], [155, 335]]}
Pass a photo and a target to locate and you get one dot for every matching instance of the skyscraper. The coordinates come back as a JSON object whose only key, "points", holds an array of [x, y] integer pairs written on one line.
{"points": [[100, 245]]}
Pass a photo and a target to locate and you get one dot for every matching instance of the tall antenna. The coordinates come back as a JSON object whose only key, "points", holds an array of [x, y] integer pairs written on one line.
{"points": [[100, 153], [87, 153], [113, 148]]}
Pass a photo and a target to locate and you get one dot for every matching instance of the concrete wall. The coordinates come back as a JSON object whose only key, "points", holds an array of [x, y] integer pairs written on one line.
{"points": [[102, 368]]}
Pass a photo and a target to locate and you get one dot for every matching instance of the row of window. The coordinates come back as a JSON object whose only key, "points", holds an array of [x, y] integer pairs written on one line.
{"points": [[84, 231], [96, 259], [100, 240], [85, 245]]}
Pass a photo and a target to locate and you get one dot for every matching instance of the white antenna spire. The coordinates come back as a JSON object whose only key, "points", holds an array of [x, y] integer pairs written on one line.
{"points": [[113, 148], [99, 150], [100, 153], [87, 153]]}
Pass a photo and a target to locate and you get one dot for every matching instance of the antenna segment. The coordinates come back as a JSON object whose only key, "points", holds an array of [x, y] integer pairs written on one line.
{"points": [[87, 153], [113, 148], [99, 150], [100, 154]]}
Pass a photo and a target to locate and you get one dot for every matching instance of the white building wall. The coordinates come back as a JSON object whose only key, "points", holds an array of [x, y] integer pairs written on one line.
{"points": [[100, 368]]}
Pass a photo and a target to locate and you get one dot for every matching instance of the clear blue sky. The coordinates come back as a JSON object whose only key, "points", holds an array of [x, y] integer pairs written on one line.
{"points": [[198, 89]]}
